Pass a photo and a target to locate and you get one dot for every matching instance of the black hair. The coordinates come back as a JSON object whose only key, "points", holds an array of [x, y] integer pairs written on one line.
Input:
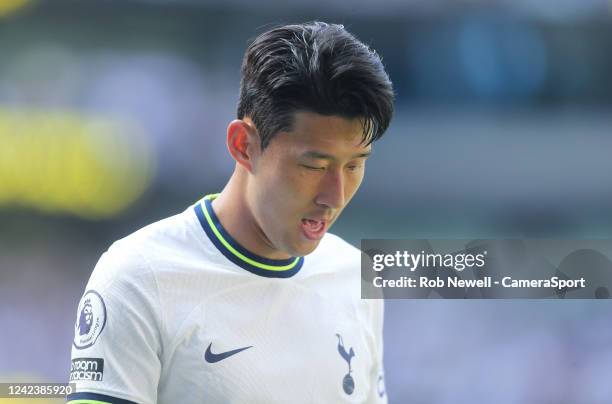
{"points": [[316, 67]]}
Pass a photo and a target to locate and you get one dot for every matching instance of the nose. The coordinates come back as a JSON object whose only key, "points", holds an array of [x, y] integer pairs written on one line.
{"points": [[331, 194]]}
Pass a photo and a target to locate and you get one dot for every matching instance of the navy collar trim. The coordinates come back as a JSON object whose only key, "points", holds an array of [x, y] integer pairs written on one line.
{"points": [[236, 253]]}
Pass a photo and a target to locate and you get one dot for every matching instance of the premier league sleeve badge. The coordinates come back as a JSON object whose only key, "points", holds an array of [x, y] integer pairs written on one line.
{"points": [[91, 319]]}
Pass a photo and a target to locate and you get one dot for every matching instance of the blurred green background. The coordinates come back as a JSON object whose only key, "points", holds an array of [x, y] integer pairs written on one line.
{"points": [[113, 115]]}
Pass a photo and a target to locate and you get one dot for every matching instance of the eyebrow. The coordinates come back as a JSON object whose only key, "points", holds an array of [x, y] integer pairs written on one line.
{"points": [[324, 156]]}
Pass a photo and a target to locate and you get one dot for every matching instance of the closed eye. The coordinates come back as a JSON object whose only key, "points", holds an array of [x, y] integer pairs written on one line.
{"points": [[313, 167]]}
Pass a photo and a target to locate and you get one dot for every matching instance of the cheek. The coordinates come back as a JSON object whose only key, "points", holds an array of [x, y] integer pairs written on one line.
{"points": [[352, 183], [297, 182], [281, 191]]}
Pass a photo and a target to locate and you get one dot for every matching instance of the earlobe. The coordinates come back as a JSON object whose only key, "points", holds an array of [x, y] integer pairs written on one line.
{"points": [[240, 143]]}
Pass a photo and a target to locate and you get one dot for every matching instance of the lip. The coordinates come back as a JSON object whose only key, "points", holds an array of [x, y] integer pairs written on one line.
{"points": [[318, 234], [323, 219]]}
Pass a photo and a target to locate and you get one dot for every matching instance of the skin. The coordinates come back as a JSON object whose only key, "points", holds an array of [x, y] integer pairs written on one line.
{"points": [[312, 171]]}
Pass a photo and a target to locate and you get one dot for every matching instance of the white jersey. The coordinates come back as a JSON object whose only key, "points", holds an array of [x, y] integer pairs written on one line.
{"points": [[178, 312]]}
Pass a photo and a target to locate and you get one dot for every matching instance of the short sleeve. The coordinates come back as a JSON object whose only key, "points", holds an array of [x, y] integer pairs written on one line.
{"points": [[117, 334]]}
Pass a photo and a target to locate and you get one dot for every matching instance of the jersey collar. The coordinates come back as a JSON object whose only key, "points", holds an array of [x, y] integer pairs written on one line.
{"points": [[239, 255]]}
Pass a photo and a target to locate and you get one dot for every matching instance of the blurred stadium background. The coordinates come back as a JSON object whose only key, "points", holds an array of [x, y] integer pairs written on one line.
{"points": [[113, 115]]}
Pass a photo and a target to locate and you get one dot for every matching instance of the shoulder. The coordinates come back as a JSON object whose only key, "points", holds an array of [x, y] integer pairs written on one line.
{"points": [[126, 286], [133, 257], [169, 237], [170, 234]]}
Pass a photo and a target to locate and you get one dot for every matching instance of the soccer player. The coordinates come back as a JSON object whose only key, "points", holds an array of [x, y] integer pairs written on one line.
{"points": [[245, 297]]}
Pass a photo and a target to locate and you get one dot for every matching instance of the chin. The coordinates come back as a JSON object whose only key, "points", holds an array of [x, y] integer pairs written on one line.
{"points": [[304, 248]]}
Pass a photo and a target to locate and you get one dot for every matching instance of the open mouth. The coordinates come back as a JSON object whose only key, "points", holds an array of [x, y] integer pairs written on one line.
{"points": [[313, 229]]}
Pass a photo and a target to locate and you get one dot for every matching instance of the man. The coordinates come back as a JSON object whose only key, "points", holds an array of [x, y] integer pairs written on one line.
{"points": [[244, 297]]}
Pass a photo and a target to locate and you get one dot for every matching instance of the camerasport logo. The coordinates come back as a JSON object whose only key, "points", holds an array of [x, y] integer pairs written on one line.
{"points": [[87, 369], [91, 318]]}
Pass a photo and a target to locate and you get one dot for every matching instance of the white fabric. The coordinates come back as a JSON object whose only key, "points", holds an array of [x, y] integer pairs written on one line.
{"points": [[169, 293]]}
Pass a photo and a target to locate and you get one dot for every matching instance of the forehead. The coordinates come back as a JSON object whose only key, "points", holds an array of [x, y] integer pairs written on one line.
{"points": [[323, 133]]}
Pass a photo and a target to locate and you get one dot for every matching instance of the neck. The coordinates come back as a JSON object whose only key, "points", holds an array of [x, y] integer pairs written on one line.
{"points": [[232, 209]]}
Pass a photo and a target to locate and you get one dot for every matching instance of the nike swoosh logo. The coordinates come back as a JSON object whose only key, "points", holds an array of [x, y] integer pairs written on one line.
{"points": [[211, 357]]}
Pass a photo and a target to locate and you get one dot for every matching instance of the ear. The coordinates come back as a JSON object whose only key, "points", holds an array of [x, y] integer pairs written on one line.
{"points": [[243, 143]]}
